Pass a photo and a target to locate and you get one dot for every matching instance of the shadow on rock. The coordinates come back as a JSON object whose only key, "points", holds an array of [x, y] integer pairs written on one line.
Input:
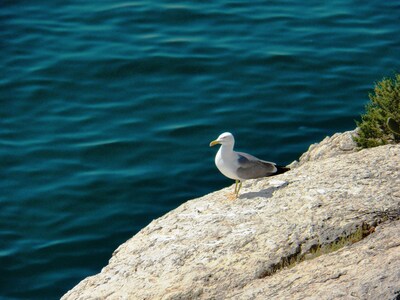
{"points": [[265, 193]]}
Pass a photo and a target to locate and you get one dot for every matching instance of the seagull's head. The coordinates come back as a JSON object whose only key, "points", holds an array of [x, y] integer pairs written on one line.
{"points": [[225, 138]]}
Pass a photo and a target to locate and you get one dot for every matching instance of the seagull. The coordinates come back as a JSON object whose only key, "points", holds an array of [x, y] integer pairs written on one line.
{"points": [[241, 166]]}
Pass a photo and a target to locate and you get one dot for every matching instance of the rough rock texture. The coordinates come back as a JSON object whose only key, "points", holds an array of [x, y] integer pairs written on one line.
{"points": [[328, 229], [338, 144], [368, 269]]}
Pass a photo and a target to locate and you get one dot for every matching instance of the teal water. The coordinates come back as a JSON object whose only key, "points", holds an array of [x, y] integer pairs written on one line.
{"points": [[107, 110]]}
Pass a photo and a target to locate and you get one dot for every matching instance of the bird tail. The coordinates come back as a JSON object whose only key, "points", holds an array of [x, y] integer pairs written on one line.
{"points": [[280, 170]]}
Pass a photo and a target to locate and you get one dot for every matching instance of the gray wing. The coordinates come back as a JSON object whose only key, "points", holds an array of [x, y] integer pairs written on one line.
{"points": [[250, 167]]}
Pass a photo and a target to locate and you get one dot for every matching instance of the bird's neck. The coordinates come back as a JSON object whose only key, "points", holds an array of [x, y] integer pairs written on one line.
{"points": [[226, 149]]}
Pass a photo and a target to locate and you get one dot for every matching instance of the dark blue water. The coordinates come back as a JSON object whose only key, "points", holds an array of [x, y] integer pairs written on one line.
{"points": [[107, 110]]}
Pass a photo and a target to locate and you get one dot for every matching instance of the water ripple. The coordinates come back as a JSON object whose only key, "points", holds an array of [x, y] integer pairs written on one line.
{"points": [[108, 109]]}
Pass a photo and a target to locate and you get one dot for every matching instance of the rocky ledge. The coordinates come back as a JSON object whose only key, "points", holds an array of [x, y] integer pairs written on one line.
{"points": [[327, 229]]}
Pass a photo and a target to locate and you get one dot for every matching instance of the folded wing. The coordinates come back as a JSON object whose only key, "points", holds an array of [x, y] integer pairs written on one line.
{"points": [[250, 167]]}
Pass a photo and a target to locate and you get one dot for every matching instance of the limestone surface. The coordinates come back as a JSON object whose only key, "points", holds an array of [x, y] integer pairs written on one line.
{"points": [[329, 230], [337, 144]]}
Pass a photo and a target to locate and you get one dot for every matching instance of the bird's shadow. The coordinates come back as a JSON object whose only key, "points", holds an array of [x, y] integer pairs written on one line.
{"points": [[265, 193]]}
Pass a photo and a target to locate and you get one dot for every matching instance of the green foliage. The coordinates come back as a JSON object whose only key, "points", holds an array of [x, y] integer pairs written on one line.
{"points": [[393, 126], [385, 104]]}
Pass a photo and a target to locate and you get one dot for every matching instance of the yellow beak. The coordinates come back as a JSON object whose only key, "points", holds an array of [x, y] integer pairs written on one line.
{"points": [[213, 143]]}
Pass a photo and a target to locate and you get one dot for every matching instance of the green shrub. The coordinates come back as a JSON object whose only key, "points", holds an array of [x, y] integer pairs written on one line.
{"points": [[385, 104], [393, 126]]}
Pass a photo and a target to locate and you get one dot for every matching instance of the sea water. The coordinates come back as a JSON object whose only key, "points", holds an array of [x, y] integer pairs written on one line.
{"points": [[107, 109]]}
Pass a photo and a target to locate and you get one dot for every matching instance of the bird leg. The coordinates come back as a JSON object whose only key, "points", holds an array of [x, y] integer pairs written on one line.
{"points": [[238, 186], [236, 182]]}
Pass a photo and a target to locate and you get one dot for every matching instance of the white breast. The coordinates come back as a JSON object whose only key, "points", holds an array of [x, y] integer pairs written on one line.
{"points": [[227, 163]]}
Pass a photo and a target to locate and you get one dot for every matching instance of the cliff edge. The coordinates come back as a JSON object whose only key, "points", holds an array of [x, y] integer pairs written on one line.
{"points": [[327, 229]]}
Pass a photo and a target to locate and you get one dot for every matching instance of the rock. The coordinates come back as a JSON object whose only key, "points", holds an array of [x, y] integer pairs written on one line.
{"points": [[338, 144], [277, 183], [369, 269], [330, 231]]}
